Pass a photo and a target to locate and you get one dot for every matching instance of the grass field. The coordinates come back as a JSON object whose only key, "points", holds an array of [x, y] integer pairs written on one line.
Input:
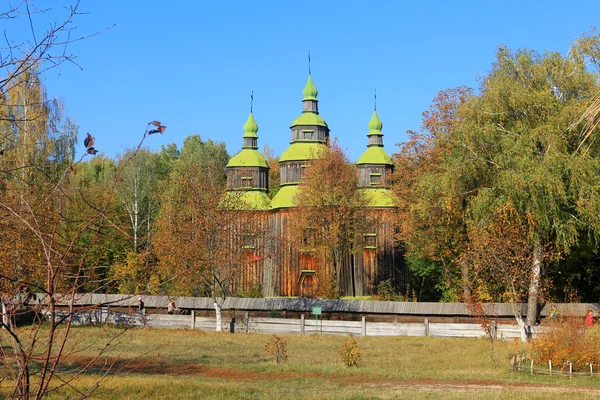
{"points": [[180, 364]]}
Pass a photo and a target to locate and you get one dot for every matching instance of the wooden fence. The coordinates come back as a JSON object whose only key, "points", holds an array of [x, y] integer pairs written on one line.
{"points": [[302, 325]]}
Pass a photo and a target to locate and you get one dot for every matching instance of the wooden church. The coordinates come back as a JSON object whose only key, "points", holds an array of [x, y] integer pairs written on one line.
{"points": [[279, 266]]}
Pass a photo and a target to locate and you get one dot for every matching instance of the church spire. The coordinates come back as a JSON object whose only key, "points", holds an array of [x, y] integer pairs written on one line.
{"points": [[375, 136], [250, 129], [310, 92], [375, 153]]}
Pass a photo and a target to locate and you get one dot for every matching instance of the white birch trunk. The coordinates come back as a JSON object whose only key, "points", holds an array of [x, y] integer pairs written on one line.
{"points": [[522, 327], [534, 287], [4, 315], [218, 315]]}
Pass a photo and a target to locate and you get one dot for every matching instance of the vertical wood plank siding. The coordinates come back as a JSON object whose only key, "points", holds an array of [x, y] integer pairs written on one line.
{"points": [[259, 177], [364, 174], [276, 260]]}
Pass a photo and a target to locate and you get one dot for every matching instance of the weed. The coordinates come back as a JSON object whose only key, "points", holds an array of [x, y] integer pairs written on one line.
{"points": [[276, 349], [350, 353]]}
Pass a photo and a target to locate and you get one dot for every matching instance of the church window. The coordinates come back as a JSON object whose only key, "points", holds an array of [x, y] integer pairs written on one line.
{"points": [[249, 241], [370, 240], [375, 178], [246, 181]]}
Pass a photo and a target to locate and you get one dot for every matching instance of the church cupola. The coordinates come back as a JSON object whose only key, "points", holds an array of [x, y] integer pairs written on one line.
{"points": [[248, 171], [374, 165], [309, 134], [250, 133]]}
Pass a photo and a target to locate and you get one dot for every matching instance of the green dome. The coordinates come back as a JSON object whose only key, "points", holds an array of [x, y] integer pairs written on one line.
{"points": [[375, 155], [375, 125], [310, 92], [309, 119], [286, 197], [299, 151], [248, 158], [247, 200], [250, 127], [379, 197]]}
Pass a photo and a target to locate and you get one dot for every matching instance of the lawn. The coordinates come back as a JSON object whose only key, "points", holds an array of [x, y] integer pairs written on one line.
{"points": [[183, 364]]}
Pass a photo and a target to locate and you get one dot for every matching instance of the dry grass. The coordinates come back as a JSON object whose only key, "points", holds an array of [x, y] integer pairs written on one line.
{"points": [[180, 364]]}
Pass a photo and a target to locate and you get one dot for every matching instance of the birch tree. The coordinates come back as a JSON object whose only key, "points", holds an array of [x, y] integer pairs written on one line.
{"points": [[518, 145], [197, 237]]}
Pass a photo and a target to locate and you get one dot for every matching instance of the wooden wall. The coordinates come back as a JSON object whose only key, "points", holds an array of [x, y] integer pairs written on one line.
{"points": [[365, 171], [282, 259], [260, 177]]}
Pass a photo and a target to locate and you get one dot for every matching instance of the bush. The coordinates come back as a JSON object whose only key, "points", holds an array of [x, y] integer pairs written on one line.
{"points": [[276, 349], [566, 342], [253, 292], [386, 292], [328, 288], [350, 353]]}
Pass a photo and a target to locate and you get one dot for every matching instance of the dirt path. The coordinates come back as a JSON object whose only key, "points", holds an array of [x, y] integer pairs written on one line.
{"points": [[428, 385]]}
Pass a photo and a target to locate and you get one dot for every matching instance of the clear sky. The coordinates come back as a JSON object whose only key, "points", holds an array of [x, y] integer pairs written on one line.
{"points": [[192, 64]]}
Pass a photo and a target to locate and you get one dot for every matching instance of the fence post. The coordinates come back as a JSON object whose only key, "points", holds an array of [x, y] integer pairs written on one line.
{"points": [[364, 326], [247, 321], [426, 323], [532, 367], [302, 327], [570, 370], [193, 319]]}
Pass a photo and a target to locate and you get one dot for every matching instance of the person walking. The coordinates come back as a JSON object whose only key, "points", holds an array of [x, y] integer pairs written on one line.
{"points": [[140, 306]]}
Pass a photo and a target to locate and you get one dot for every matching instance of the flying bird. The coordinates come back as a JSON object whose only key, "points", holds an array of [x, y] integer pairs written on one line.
{"points": [[89, 140], [160, 128]]}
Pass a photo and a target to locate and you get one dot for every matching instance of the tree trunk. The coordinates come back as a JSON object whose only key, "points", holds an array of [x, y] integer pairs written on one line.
{"points": [[520, 322], [218, 315], [464, 270], [4, 315], [534, 287]]}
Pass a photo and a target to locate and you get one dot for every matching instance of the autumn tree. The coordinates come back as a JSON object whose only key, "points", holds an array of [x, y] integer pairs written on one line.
{"points": [[43, 217], [199, 233], [517, 144], [274, 171], [330, 209], [430, 218]]}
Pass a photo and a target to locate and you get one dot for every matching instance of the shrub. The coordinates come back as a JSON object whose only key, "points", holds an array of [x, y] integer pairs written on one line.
{"points": [[276, 349], [350, 353], [253, 292], [328, 288], [568, 341], [386, 292]]}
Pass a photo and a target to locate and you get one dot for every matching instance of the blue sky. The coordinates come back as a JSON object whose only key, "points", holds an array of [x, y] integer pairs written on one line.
{"points": [[193, 64]]}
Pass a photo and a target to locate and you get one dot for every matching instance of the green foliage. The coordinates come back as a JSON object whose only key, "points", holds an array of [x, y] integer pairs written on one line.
{"points": [[350, 353], [135, 275], [252, 292], [386, 291], [276, 349], [426, 278], [516, 146]]}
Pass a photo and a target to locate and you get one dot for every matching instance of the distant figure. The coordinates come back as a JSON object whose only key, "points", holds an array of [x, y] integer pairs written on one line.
{"points": [[553, 313], [171, 307], [140, 305], [589, 318]]}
